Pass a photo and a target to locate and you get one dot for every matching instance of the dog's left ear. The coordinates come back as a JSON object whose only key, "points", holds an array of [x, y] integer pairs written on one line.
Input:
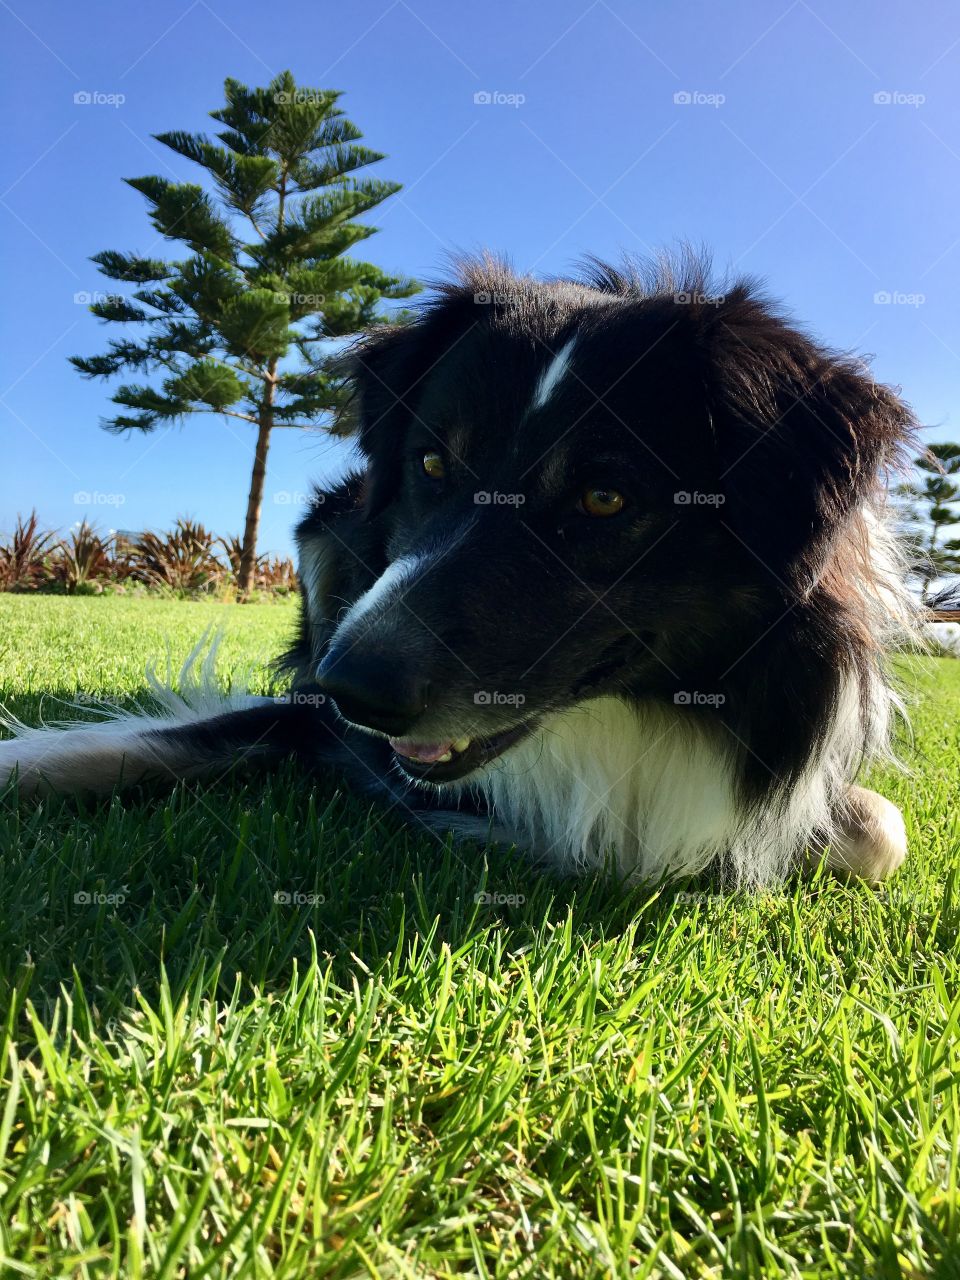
{"points": [[802, 435], [383, 370]]}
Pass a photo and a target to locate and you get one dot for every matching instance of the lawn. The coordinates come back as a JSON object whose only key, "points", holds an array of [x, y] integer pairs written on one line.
{"points": [[255, 1028]]}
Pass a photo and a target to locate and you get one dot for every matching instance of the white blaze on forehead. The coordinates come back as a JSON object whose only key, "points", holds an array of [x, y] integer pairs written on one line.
{"points": [[554, 372], [400, 575], [394, 577]]}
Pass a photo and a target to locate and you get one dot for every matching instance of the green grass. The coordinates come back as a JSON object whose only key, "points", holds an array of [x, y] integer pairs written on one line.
{"points": [[388, 1078]]}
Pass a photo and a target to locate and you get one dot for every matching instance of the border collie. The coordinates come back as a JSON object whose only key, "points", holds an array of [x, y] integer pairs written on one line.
{"points": [[615, 584]]}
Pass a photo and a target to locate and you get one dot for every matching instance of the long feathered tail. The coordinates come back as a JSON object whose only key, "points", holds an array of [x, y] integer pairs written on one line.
{"points": [[192, 729]]}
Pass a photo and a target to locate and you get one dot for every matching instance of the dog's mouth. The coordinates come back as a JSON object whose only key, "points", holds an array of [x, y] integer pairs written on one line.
{"points": [[446, 761], [449, 759]]}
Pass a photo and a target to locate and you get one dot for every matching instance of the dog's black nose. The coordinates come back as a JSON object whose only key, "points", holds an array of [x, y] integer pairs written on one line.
{"points": [[375, 691]]}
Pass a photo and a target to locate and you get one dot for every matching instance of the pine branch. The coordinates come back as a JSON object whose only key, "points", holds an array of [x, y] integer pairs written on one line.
{"points": [[132, 267], [183, 211], [119, 309]]}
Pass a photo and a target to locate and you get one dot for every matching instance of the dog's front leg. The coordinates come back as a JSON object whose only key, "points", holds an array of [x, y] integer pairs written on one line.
{"points": [[870, 840]]}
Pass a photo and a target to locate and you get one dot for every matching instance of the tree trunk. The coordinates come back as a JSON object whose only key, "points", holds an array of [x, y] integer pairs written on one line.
{"points": [[929, 572], [251, 528]]}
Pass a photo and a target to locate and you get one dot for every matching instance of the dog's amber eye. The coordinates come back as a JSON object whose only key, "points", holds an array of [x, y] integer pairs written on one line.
{"points": [[601, 502], [434, 465]]}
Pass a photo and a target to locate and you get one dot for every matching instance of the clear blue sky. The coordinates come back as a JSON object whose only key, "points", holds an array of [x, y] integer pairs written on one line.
{"points": [[784, 164]]}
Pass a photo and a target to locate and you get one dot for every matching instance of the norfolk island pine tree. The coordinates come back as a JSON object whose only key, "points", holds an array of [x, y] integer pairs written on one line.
{"points": [[215, 327], [930, 502]]}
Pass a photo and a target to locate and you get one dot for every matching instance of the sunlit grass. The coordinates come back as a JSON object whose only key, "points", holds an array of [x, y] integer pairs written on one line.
{"points": [[255, 1028]]}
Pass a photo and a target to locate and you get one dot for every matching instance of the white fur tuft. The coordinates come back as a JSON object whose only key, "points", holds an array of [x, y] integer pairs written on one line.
{"points": [[122, 746], [550, 379], [652, 791]]}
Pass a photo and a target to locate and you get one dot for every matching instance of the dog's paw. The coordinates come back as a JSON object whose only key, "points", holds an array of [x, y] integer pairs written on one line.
{"points": [[871, 840]]}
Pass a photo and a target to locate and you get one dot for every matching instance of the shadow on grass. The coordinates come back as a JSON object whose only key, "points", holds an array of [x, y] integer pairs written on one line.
{"points": [[245, 874], [250, 874]]}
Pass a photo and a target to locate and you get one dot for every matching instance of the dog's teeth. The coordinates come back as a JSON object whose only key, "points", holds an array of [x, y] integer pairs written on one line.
{"points": [[445, 758], [461, 744]]}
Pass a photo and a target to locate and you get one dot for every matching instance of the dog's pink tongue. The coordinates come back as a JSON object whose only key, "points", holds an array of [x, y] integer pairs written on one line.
{"points": [[425, 752]]}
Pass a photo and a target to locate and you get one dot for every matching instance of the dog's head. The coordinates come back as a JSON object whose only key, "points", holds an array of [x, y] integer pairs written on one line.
{"points": [[585, 488]]}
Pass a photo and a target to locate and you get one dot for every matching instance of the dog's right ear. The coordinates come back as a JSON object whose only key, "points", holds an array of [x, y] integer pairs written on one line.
{"points": [[383, 371]]}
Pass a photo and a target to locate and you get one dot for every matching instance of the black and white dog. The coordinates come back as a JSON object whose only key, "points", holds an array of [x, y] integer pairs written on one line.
{"points": [[615, 582]]}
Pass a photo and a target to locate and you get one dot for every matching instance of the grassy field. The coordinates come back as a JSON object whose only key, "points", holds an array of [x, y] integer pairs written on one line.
{"points": [[254, 1028]]}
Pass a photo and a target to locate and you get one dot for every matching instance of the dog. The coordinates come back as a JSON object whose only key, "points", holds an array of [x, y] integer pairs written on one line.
{"points": [[616, 583]]}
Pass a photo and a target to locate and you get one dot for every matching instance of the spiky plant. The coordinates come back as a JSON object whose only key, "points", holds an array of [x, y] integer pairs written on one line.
{"points": [[183, 560], [25, 558], [232, 547], [83, 557], [279, 574]]}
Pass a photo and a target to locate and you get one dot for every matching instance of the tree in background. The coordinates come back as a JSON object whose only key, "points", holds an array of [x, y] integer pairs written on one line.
{"points": [[218, 324], [929, 507]]}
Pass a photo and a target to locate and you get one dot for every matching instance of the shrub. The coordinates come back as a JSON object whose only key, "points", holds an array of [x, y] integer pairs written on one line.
{"points": [[25, 559], [82, 559], [183, 560], [276, 574]]}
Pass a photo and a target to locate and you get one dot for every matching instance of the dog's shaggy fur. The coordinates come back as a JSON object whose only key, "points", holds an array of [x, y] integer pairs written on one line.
{"points": [[616, 580]]}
